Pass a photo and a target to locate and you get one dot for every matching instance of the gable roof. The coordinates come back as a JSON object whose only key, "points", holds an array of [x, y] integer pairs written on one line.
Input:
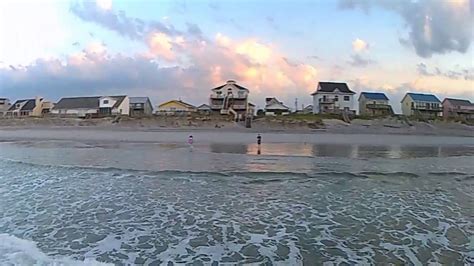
{"points": [[421, 97], [78, 103], [458, 102], [233, 83], [119, 100], [135, 100], [204, 107], [91, 102], [178, 102], [274, 104], [28, 105], [332, 86], [374, 96], [308, 107]]}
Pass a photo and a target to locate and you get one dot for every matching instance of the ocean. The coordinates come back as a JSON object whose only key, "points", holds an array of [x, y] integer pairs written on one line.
{"points": [[90, 202]]}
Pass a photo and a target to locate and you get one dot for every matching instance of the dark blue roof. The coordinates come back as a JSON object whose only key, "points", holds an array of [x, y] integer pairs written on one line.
{"points": [[420, 97], [374, 95]]}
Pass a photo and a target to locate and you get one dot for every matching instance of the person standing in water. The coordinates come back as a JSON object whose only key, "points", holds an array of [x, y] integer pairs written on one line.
{"points": [[259, 144], [190, 142]]}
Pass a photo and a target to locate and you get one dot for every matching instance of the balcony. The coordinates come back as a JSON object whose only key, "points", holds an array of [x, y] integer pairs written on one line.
{"points": [[378, 106], [326, 101], [239, 106], [427, 108], [234, 96], [216, 106]]}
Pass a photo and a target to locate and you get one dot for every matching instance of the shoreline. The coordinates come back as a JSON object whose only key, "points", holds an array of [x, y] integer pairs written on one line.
{"points": [[225, 136]]}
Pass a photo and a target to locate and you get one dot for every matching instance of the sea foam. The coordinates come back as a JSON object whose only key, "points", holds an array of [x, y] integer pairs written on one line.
{"points": [[17, 251]]}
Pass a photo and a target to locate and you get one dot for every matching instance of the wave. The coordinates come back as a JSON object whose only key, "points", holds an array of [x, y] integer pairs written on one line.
{"points": [[447, 173], [254, 176], [17, 251]]}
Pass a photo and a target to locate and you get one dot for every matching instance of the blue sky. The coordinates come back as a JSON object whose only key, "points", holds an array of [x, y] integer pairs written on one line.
{"points": [[182, 49]]}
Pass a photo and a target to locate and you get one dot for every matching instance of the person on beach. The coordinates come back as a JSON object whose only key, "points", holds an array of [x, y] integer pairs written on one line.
{"points": [[259, 143], [190, 142]]}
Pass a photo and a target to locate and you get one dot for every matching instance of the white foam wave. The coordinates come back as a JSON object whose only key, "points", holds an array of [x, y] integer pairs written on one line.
{"points": [[17, 251]]}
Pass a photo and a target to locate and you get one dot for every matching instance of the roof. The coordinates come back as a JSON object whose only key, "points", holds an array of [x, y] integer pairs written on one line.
{"points": [[230, 82], [179, 102], [134, 100], [118, 99], [309, 107], [204, 107], [421, 97], [78, 103], [374, 95], [28, 105], [276, 106], [86, 102], [458, 102], [332, 86]]}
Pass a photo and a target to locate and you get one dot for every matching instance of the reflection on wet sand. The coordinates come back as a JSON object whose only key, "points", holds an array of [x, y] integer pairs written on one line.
{"points": [[344, 150]]}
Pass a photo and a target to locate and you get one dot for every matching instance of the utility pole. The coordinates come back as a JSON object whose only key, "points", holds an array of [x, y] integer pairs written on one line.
{"points": [[296, 105]]}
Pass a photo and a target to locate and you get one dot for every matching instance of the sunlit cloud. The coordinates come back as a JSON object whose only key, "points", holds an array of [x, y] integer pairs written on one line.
{"points": [[359, 45], [161, 45], [104, 4]]}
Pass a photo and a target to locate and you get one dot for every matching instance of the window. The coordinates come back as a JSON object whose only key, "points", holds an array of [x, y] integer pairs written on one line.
{"points": [[412, 104], [106, 101], [17, 105], [347, 98], [324, 98], [336, 98]]}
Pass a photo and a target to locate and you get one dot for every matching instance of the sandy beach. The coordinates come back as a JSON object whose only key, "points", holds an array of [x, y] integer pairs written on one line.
{"points": [[285, 125]]}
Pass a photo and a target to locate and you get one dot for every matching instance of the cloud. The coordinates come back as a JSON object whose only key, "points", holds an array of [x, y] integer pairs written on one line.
{"points": [[161, 45], [359, 45], [358, 60], [133, 28], [435, 27], [466, 74], [104, 4], [176, 63]]}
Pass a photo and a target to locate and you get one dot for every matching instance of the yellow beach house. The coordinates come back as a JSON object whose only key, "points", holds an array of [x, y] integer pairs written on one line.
{"points": [[175, 107]]}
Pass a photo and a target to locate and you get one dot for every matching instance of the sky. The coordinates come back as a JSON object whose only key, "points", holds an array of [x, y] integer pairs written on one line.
{"points": [[181, 49]]}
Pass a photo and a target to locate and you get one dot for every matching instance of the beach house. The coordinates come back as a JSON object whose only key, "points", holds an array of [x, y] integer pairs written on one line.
{"points": [[333, 97], [458, 108], [374, 104], [204, 109], [175, 107], [4, 106], [95, 106], [274, 107], [29, 107], [140, 106], [231, 99], [422, 105]]}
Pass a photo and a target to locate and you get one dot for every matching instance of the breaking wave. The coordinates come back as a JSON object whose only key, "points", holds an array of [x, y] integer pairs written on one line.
{"points": [[17, 251]]}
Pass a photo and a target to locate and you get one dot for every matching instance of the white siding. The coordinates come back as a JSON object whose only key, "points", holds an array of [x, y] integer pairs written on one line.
{"points": [[123, 108], [107, 102], [406, 106], [340, 104]]}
